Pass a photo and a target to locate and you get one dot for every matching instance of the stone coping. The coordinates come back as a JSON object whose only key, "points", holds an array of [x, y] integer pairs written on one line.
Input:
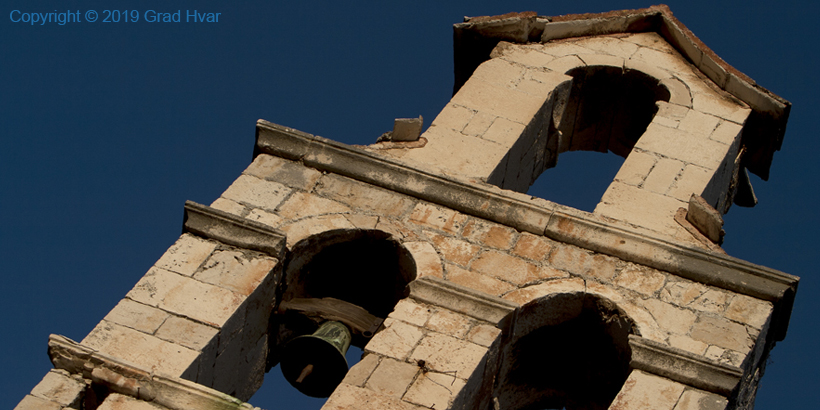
{"points": [[684, 367], [479, 305], [476, 37], [233, 230], [537, 217], [161, 390]]}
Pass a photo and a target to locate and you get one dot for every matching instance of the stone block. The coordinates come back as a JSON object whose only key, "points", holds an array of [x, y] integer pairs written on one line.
{"points": [[58, 386], [641, 279], [360, 372], [427, 260], [693, 180], [682, 145], [727, 132], [643, 391], [525, 56], [688, 344], [649, 39], [453, 250], [438, 217], [392, 377], [483, 335], [479, 124], [434, 390], [206, 303], [668, 60], [454, 117], [506, 267], [458, 154], [396, 340], [411, 312], [449, 323], [721, 106], [116, 401], [609, 45], [301, 204], [362, 196], [407, 129], [712, 301], [724, 356], [308, 227], [489, 234], [137, 316], [363, 221], [265, 217], [670, 318], [347, 397], [636, 168], [564, 65], [693, 399], [705, 218], [185, 256], [602, 60], [497, 72], [186, 332], [641, 207], [236, 271], [35, 403], [532, 247], [663, 175], [748, 310], [722, 333], [496, 99], [446, 354], [257, 193], [504, 132], [564, 48], [289, 173], [229, 206], [581, 262], [477, 281], [552, 287], [699, 123], [145, 351]]}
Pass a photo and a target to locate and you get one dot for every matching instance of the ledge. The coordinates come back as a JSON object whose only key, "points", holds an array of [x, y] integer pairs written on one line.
{"points": [[488, 203], [479, 305], [169, 392], [684, 367], [233, 230]]}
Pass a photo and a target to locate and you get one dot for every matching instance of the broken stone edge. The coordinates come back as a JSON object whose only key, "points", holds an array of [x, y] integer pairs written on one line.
{"points": [[234, 230], [684, 367], [124, 378], [764, 131], [580, 228], [479, 305]]}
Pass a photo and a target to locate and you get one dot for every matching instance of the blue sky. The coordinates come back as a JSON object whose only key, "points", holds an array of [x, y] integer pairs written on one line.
{"points": [[107, 128]]}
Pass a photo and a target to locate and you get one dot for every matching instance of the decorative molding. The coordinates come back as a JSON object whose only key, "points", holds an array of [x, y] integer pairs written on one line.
{"points": [[684, 367], [479, 305], [170, 392], [233, 230]]}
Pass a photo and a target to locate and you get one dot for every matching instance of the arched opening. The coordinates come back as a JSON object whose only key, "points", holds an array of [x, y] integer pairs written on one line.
{"points": [[351, 277], [572, 352]]}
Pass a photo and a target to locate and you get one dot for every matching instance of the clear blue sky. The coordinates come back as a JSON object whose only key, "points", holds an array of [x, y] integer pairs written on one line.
{"points": [[107, 128]]}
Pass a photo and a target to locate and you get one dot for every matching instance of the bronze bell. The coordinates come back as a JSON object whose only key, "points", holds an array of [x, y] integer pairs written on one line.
{"points": [[315, 364]]}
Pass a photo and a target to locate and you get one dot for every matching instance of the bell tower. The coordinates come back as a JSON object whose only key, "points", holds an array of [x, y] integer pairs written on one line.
{"points": [[464, 292]]}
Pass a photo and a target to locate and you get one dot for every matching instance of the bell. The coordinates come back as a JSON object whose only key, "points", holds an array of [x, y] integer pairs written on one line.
{"points": [[315, 364]]}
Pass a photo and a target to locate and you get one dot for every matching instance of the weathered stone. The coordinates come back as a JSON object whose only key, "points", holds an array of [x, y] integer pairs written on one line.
{"points": [[187, 333], [185, 256], [360, 372], [722, 333], [706, 218], [483, 335], [488, 234], [641, 279], [392, 377], [693, 399], [37, 403], [285, 172], [751, 311], [411, 312], [407, 129], [671, 319], [506, 267], [137, 316], [427, 260], [58, 386], [437, 217], [645, 391], [397, 340], [117, 401], [636, 168], [347, 397], [236, 271], [265, 217], [454, 250], [434, 390], [663, 175], [581, 262], [257, 193], [477, 281], [525, 295], [446, 354], [532, 247], [300, 205], [449, 323], [229, 206]]}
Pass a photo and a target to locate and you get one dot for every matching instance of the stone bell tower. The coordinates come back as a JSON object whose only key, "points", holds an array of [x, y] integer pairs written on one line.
{"points": [[463, 291]]}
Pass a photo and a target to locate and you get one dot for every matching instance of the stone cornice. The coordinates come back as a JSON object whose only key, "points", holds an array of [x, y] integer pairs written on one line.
{"points": [[479, 305], [233, 230], [537, 217], [165, 391], [683, 367]]}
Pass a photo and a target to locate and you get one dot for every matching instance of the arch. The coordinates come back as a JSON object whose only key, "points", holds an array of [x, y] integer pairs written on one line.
{"points": [[563, 345]]}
